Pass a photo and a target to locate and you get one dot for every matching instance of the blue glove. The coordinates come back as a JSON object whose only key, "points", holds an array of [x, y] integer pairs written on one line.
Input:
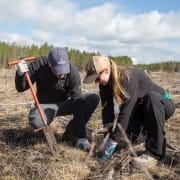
{"points": [[107, 151]]}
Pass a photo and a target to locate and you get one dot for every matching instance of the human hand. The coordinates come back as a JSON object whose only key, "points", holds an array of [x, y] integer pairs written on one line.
{"points": [[107, 150], [83, 144], [22, 67]]}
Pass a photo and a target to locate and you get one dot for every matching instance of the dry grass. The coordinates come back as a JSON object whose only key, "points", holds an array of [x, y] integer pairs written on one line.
{"points": [[24, 155]]}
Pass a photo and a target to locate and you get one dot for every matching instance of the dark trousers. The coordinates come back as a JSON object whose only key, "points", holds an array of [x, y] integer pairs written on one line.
{"points": [[150, 114], [81, 111]]}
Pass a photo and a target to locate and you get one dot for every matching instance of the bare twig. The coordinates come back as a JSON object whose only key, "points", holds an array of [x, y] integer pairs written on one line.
{"points": [[104, 141], [133, 151], [168, 145], [93, 144], [109, 165]]}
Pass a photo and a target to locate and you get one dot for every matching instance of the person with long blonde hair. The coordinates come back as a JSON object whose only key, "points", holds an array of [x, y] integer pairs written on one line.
{"points": [[142, 105]]}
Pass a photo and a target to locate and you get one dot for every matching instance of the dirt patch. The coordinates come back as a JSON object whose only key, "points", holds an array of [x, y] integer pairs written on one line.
{"points": [[25, 155]]}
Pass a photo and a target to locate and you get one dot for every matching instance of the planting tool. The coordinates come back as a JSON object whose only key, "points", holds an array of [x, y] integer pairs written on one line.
{"points": [[46, 129]]}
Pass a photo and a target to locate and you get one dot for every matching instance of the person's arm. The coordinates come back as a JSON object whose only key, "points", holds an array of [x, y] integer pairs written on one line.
{"points": [[75, 87], [106, 95], [20, 82]]}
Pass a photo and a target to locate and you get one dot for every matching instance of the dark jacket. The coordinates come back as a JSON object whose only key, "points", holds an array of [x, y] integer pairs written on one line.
{"points": [[138, 86], [50, 89]]}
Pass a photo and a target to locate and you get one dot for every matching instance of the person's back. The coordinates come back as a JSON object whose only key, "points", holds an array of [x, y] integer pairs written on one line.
{"points": [[50, 88]]}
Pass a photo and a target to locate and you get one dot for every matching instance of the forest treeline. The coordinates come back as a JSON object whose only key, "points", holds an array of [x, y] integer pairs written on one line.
{"points": [[11, 51]]}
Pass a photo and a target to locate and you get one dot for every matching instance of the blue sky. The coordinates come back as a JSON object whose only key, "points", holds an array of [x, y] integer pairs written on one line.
{"points": [[137, 6], [146, 30]]}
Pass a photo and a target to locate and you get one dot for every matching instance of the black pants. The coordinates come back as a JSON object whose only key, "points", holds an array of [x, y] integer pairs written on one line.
{"points": [[150, 114], [67, 107]]}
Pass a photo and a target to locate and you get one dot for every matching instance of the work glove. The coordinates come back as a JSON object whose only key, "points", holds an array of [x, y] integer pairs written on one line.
{"points": [[22, 67], [107, 150], [83, 144]]}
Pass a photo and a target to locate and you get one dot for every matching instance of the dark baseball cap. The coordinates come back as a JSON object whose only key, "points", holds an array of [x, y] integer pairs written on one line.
{"points": [[59, 61]]}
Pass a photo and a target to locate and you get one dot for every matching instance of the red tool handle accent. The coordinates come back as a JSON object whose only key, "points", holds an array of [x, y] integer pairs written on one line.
{"points": [[17, 61], [31, 87], [35, 98]]}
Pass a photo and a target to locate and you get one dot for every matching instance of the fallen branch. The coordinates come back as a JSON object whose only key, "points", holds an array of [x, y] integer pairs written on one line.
{"points": [[133, 151], [93, 144]]}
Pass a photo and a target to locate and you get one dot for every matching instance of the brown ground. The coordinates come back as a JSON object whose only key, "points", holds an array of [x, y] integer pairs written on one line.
{"points": [[26, 156]]}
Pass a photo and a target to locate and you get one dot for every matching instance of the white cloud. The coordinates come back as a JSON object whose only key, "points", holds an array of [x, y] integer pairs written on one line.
{"points": [[144, 37], [19, 39]]}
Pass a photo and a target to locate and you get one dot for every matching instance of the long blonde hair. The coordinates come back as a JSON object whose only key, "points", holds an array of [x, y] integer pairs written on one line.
{"points": [[119, 92]]}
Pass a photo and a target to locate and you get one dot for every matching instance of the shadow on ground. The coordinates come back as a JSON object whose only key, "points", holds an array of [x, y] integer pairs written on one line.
{"points": [[24, 137]]}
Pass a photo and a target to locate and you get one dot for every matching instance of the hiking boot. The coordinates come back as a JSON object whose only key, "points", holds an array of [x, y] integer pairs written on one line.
{"points": [[107, 150], [145, 160]]}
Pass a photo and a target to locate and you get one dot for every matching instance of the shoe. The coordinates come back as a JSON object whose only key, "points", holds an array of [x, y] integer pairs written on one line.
{"points": [[107, 150], [69, 137], [83, 144], [145, 160]]}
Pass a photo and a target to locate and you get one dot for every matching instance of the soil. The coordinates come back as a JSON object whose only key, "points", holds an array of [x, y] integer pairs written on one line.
{"points": [[25, 155]]}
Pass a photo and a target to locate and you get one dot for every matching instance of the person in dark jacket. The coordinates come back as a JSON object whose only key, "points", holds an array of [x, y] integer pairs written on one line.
{"points": [[142, 105], [59, 92]]}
